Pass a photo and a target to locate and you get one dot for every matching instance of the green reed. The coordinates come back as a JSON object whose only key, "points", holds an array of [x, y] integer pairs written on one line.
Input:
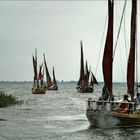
{"points": [[8, 100]]}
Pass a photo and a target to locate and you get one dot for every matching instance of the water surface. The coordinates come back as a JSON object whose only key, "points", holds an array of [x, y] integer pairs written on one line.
{"points": [[57, 115]]}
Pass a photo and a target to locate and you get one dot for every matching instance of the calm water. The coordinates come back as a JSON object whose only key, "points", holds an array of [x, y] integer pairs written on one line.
{"points": [[57, 115]]}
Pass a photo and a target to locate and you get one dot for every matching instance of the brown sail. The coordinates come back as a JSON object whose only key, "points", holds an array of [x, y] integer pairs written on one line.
{"points": [[81, 79], [108, 51], [131, 59], [35, 68], [54, 79], [49, 81], [94, 81]]}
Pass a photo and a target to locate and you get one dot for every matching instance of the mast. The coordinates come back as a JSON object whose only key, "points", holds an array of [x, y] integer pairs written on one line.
{"points": [[49, 81], [81, 65], [131, 59], [108, 51]]}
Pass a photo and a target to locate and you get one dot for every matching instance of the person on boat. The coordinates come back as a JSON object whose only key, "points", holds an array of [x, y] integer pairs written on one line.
{"points": [[124, 105], [101, 102], [137, 102], [81, 84], [137, 99], [90, 105]]}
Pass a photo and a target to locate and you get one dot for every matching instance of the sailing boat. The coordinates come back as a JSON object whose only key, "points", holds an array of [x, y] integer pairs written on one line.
{"points": [[38, 86], [51, 85], [84, 85], [105, 112]]}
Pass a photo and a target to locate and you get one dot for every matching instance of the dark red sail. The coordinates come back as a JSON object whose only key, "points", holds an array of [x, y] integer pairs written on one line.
{"points": [[108, 51], [35, 68], [81, 66], [94, 79], [131, 59], [54, 79], [49, 81]]}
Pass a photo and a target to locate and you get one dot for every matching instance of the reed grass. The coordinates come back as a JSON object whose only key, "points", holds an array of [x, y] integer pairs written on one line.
{"points": [[8, 100]]}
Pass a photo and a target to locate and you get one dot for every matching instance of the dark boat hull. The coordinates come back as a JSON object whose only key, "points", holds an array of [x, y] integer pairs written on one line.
{"points": [[112, 119], [52, 88], [87, 89]]}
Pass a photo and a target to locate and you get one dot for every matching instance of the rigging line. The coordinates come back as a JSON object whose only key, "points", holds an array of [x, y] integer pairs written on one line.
{"points": [[137, 85], [136, 42], [125, 39], [122, 72], [119, 29], [97, 64]]}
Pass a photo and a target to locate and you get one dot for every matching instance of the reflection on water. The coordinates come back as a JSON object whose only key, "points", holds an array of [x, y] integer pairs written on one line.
{"points": [[56, 115]]}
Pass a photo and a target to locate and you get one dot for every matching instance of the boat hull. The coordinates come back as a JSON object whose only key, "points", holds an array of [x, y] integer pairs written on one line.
{"points": [[112, 119], [39, 90], [52, 88], [87, 89]]}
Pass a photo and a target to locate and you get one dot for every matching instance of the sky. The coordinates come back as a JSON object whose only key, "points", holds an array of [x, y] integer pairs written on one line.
{"points": [[56, 29]]}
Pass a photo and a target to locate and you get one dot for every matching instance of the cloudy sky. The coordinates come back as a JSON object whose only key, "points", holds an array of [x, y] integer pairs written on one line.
{"points": [[55, 28]]}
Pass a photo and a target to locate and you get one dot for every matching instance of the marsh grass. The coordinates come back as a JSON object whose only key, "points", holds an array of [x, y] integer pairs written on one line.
{"points": [[8, 100]]}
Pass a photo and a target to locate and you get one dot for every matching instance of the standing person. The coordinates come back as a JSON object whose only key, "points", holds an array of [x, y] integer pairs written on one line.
{"points": [[137, 99], [137, 102]]}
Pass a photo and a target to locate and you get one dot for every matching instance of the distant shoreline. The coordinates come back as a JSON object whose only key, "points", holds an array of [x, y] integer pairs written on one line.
{"points": [[3, 81]]}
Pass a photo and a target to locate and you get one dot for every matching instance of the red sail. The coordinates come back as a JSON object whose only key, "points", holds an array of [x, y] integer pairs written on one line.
{"points": [[81, 66], [108, 51], [131, 59], [49, 81]]}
